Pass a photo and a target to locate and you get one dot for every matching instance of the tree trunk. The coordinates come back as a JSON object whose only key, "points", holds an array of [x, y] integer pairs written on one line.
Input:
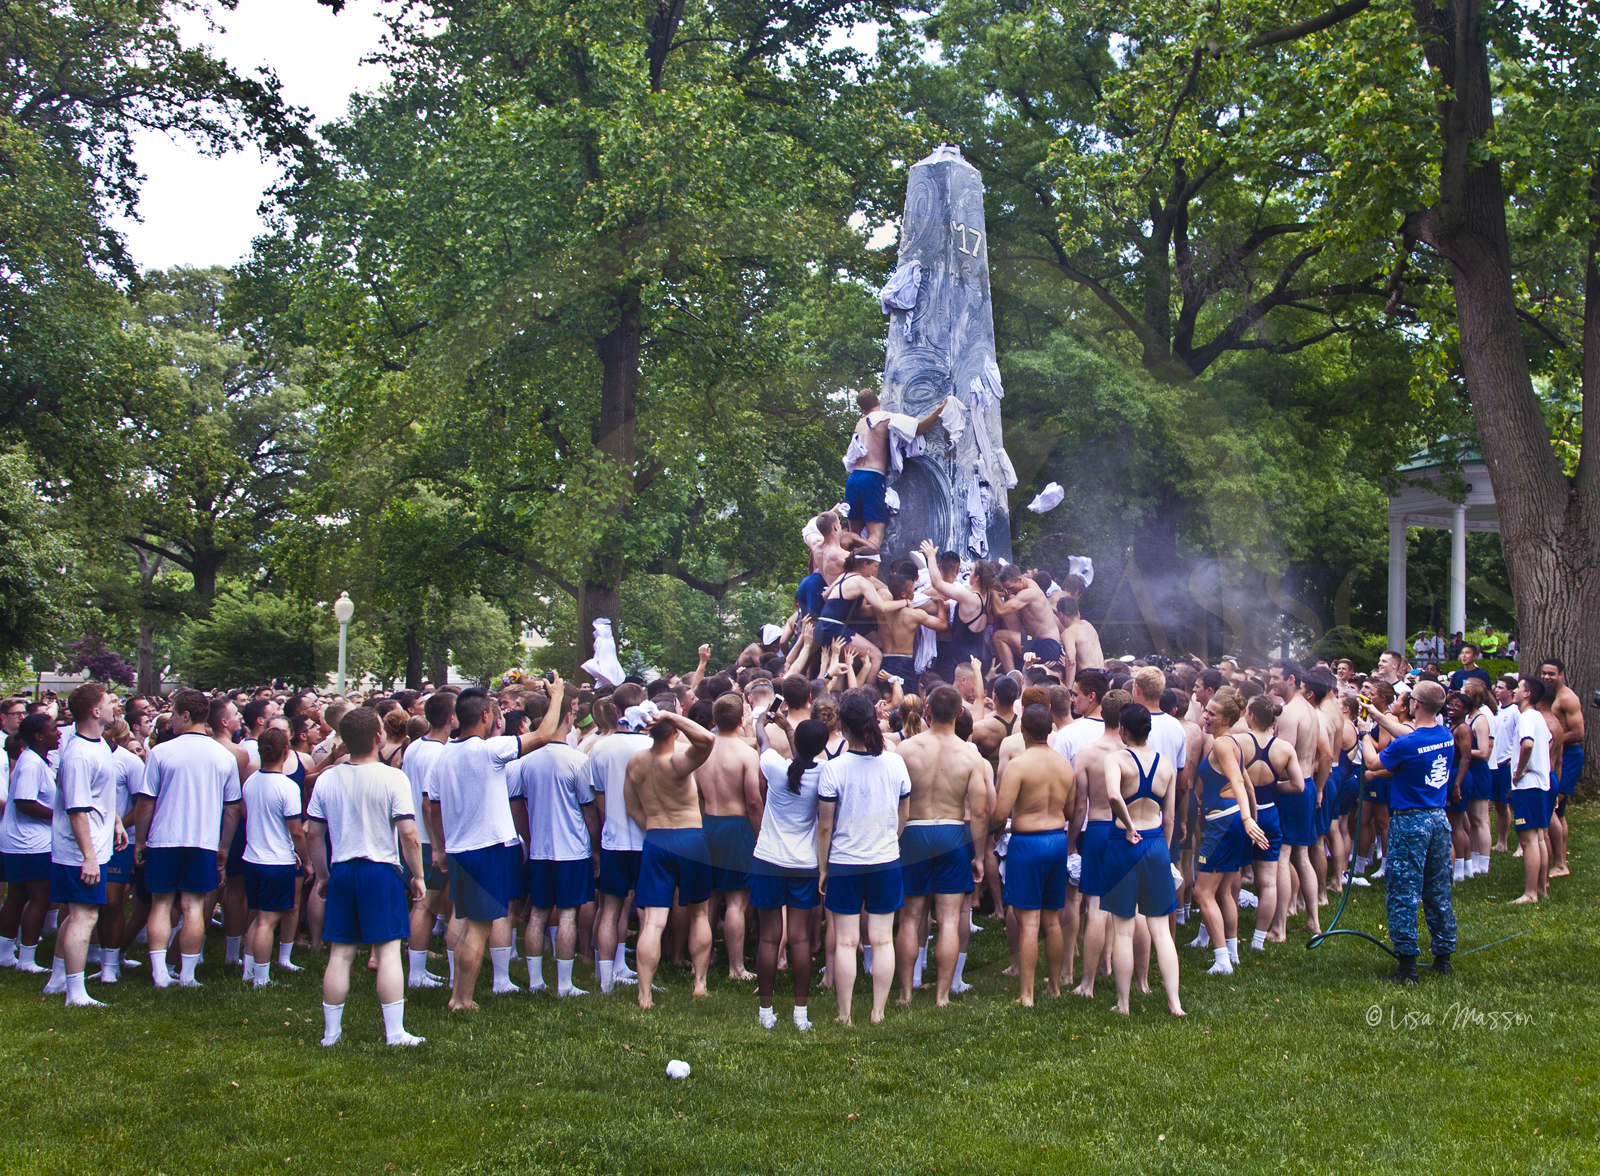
{"points": [[413, 658], [146, 668], [619, 389], [207, 564], [439, 668], [1549, 524]]}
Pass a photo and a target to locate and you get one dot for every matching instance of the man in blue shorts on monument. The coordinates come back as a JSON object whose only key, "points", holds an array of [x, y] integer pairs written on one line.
{"points": [[1422, 761], [1036, 792], [83, 834], [357, 812], [868, 460], [660, 795]]}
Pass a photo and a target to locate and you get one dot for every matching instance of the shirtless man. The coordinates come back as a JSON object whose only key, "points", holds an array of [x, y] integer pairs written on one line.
{"points": [[1094, 810], [1040, 634], [1569, 711], [987, 737], [849, 600], [1304, 730], [829, 545], [1080, 644], [1331, 711], [660, 795], [869, 476], [897, 631], [947, 818], [730, 785], [224, 722], [1036, 793]]}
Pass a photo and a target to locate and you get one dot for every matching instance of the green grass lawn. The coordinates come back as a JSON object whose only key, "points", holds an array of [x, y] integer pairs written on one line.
{"points": [[1276, 1069]]}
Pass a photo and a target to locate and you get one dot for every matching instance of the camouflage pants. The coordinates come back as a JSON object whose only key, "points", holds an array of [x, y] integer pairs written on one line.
{"points": [[1417, 870]]}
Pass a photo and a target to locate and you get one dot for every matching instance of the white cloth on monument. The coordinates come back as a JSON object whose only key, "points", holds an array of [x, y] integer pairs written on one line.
{"points": [[903, 441], [954, 418], [986, 386], [1047, 499], [899, 294], [979, 496], [604, 664]]}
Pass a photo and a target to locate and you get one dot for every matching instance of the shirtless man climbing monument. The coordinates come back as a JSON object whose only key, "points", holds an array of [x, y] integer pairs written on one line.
{"points": [[869, 476], [660, 795]]}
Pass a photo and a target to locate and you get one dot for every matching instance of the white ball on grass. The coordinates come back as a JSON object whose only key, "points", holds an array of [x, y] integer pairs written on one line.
{"points": [[677, 1069]]}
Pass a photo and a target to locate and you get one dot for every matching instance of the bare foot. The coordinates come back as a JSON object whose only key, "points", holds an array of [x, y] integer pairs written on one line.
{"points": [[1120, 1008], [644, 996], [783, 963], [1525, 898], [845, 1021], [1011, 971], [466, 1006], [1176, 1010], [1559, 871], [700, 989], [1085, 990], [1518, 853], [903, 1001], [876, 1018], [1052, 990], [741, 975], [1323, 901], [1313, 929], [940, 1002], [1143, 986], [1025, 1001]]}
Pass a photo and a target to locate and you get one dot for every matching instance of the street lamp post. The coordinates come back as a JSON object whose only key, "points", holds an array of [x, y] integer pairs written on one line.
{"points": [[343, 609]]}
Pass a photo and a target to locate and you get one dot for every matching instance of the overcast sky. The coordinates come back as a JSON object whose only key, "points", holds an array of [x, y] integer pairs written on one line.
{"points": [[202, 211]]}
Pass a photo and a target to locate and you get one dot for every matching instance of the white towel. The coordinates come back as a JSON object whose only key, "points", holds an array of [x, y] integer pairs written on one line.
{"points": [[604, 666], [954, 419], [637, 718], [1048, 499], [899, 296], [1082, 567]]}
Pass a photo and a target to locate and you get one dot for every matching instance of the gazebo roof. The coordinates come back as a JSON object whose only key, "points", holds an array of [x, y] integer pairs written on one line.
{"points": [[1423, 502]]}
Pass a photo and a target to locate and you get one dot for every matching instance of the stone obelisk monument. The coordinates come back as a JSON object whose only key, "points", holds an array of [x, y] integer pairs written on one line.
{"points": [[941, 343]]}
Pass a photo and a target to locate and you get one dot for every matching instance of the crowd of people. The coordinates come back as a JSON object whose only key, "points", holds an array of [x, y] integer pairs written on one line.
{"points": [[912, 748]]}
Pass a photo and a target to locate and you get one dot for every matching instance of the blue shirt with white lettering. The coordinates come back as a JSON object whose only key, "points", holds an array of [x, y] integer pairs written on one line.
{"points": [[1422, 763]]}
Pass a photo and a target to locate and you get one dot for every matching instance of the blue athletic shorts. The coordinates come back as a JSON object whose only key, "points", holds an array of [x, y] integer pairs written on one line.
{"points": [[180, 868], [433, 877], [864, 494], [1036, 870], [67, 886], [1571, 768], [1501, 789], [1297, 811], [674, 859], [877, 888], [1376, 790], [1225, 847], [366, 903], [897, 665], [936, 859], [1326, 805], [619, 871], [1530, 809], [484, 881], [773, 886], [120, 868], [560, 884], [1140, 877], [732, 843], [1046, 649], [235, 866], [1092, 847], [270, 888], [1267, 818], [1349, 792], [27, 867], [1479, 784]]}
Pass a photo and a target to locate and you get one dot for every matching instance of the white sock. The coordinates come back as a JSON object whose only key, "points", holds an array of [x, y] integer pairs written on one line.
{"points": [[8, 952], [536, 972], [961, 966], [1259, 939], [1223, 965], [52, 922], [1361, 866], [94, 954], [1182, 914], [143, 936], [1483, 863], [564, 986], [186, 966], [451, 957], [394, 1025], [916, 968], [767, 1017], [110, 966], [263, 973], [231, 944], [158, 968], [283, 958], [605, 969], [1204, 938], [866, 958], [1459, 868], [1233, 950], [801, 1022], [621, 961], [78, 995], [58, 977], [500, 958], [332, 1023]]}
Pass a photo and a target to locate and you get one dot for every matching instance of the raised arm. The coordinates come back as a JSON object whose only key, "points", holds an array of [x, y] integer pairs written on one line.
{"points": [[704, 653], [687, 759], [932, 418], [552, 719]]}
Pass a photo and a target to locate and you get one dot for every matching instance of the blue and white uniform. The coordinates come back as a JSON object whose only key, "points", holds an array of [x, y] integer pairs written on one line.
{"points": [[469, 782], [864, 858], [560, 870], [360, 804], [621, 839], [271, 870], [784, 865], [25, 840], [191, 778], [86, 783]]}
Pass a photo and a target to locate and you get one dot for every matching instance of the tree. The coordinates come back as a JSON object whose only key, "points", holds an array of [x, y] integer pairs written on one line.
{"points": [[41, 595], [479, 639], [548, 282]]}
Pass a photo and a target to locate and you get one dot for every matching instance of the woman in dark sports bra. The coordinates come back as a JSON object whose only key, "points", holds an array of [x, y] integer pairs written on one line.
{"points": [[848, 606], [964, 642], [1271, 769]]}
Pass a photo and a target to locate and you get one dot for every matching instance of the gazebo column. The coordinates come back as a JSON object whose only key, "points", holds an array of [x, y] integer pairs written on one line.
{"points": [[1397, 583], [1458, 569]]}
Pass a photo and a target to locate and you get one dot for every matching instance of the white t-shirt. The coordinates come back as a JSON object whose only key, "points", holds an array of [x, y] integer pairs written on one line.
{"points": [[360, 804], [469, 782], [551, 781], [788, 834], [1503, 726], [606, 772], [130, 773], [251, 748], [270, 800], [418, 763], [191, 777], [1531, 725], [1078, 734], [1168, 736], [324, 749], [86, 782], [867, 789], [33, 777]]}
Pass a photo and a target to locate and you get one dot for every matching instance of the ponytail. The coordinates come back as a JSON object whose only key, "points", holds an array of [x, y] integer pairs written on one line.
{"points": [[860, 720], [810, 738]]}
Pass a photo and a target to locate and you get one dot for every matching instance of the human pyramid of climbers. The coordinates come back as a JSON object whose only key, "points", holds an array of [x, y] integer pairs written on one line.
{"points": [[906, 749]]}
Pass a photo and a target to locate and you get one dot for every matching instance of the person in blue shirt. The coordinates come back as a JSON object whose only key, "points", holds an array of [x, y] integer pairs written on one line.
{"points": [[1421, 759], [1470, 669]]}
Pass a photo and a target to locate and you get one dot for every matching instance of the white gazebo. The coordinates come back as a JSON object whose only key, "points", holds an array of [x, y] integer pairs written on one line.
{"points": [[1423, 503]]}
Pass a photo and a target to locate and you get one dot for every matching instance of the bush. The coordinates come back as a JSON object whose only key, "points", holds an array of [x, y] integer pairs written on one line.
{"points": [[1343, 641]]}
